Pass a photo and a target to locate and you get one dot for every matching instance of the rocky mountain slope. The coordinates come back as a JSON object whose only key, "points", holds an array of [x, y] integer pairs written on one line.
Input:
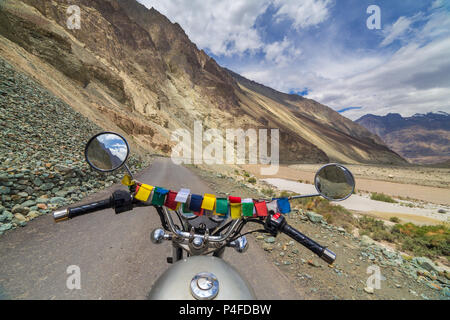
{"points": [[42, 141], [131, 70], [422, 138]]}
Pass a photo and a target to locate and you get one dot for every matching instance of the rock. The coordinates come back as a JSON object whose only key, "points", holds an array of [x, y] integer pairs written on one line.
{"points": [[32, 215], [446, 292], [47, 186], [42, 200], [267, 247], [366, 241], [42, 206], [426, 264], [341, 230], [260, 237], [269, 240], [4, 190], [442, 211], [2, 209], [19, 209], [57, 200], [369, 290], [20, 217], [313, 263], [5, 226], [28, 203], [314, 217]]}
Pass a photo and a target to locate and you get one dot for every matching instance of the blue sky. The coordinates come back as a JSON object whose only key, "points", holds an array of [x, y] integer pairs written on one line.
{"points": [[323, 49]]}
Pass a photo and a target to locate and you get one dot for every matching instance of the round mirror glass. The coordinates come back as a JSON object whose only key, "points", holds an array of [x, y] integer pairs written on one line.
{"points": [[107, 151], [334, 182]]}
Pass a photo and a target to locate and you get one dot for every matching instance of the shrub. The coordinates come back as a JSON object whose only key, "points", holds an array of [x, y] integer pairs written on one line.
{"points": [[382, 197], [252, 180], [268, 192], [394, 219], [428, 241]]}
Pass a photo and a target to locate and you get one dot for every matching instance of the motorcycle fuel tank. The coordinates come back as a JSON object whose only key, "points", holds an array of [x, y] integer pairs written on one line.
{"points": [[201, 278]]}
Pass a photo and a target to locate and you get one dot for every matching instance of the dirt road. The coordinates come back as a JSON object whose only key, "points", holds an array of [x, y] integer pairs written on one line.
{"points": [[114, 252]]}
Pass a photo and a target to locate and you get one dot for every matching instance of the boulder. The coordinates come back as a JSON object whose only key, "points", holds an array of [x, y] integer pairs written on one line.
{"points": [[314, 217], [366, 240], [426, 264]]}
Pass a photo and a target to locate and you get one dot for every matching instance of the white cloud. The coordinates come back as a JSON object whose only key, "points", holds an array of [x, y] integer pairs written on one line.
{"points": [[226, 27], [399, 29], [305, 13], [281, 52]]}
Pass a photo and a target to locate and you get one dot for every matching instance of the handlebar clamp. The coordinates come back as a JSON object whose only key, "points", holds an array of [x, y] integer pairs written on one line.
{"points": [[274, 223]]}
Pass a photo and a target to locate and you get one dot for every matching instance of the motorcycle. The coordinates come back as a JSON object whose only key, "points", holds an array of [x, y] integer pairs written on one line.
{"points": [[203, 235]]}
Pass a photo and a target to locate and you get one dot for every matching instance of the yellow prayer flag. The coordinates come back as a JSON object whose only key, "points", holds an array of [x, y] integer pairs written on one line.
{"points": [[209, 201], [144, 192]]}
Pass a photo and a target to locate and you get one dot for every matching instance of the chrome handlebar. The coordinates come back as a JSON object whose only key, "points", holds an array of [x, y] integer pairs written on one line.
{"points": [[190, 236]]}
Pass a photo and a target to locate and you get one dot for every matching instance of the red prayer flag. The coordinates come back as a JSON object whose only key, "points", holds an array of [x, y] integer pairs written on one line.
{"points": [[234, 199], [170, 200], [261, 208]]}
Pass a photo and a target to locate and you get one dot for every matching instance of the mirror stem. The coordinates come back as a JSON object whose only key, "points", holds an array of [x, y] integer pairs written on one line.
{"points": [[304, 196], [128, 170]]}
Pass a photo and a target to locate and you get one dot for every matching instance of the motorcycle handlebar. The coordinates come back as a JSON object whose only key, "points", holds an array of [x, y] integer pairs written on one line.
{"points": [[325, 254], [70, 213]]}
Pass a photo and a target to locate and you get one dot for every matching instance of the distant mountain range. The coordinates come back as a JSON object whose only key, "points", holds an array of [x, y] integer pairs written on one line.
{"points": [[421, 138]]}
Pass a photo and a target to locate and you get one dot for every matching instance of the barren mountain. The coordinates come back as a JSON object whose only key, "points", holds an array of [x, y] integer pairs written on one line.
{"points": [[131, 70], [422, 138]]}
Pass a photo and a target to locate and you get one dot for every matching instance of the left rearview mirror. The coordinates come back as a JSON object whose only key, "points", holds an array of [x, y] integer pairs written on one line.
{"points": [[107, 151]]}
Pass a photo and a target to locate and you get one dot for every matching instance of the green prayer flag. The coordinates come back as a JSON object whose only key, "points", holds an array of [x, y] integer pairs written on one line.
{"points": [[247, 209]]}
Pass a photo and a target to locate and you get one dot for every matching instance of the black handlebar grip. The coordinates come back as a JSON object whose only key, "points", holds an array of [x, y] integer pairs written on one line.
{"points": [[88, 208], [327, 255], [70, 213]]}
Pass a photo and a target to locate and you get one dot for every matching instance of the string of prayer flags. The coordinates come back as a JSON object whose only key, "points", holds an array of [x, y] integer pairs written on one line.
{"points": [[143, 192], [261, 208], [247, 207], [284, 205], [170, 200], [196, 203], [159, 196]]}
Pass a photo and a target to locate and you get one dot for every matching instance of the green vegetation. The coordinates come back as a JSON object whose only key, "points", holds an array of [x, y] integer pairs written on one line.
{"points": [[252, 180], [430, 241], [375, 229], [394, 219], [382, 197], [332, 213], [269, 192], [246, 174]]}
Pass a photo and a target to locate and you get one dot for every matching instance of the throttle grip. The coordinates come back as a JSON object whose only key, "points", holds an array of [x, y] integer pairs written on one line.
{"points": [[325, 254], [69, 213]]}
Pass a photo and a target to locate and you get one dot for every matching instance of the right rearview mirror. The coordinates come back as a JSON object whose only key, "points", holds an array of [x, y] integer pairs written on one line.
{"points": [[334, 182]]}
